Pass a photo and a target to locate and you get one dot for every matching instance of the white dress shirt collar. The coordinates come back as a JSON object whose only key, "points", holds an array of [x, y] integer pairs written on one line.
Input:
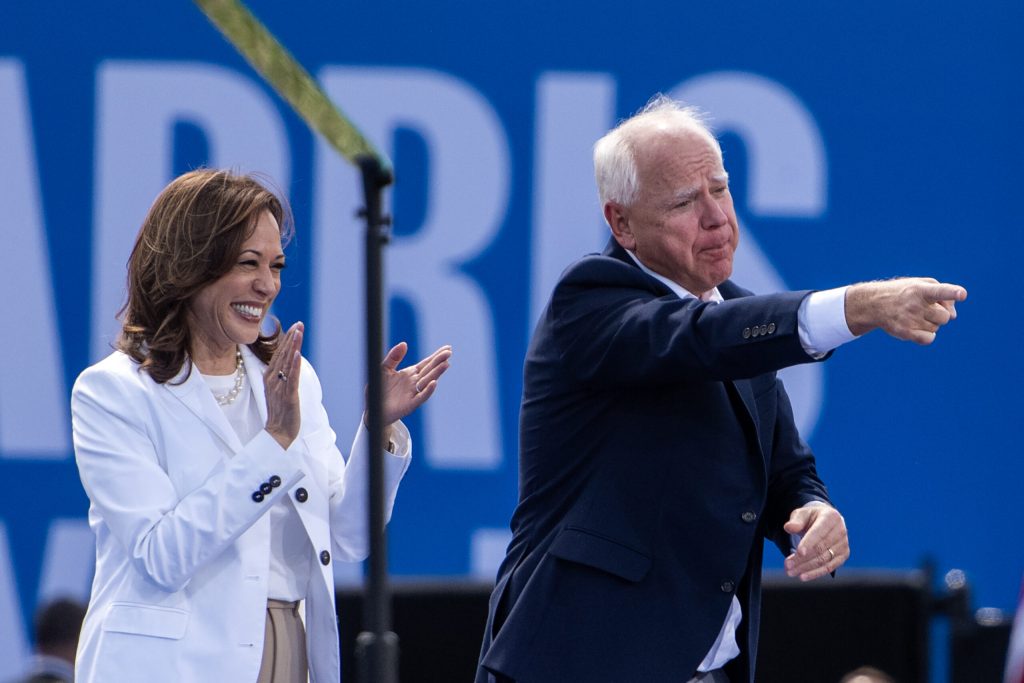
{"points": [[713, 295]]}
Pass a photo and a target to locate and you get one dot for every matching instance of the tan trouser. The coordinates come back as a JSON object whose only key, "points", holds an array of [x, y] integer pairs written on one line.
{"points": [[284, 645]]}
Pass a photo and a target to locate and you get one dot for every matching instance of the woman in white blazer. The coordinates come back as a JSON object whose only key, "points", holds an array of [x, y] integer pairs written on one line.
{"points": [[217, 494]]}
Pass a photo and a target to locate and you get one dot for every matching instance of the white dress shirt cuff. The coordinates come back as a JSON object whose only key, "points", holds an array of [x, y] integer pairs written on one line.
{"points": [[399, 438], [821, 321]]}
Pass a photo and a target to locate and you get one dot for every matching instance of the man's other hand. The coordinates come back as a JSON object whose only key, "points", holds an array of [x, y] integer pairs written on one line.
{"points": [[824, 545]]}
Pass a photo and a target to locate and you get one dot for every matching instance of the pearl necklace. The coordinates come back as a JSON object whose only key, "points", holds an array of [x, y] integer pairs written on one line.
{"points": [[229, 398]]}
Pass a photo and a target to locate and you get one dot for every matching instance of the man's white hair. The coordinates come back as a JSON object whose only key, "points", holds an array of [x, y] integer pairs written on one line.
{"points": [[615, 153]]}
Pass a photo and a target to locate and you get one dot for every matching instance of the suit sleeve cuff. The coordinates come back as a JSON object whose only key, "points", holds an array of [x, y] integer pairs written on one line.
{"points": [[822, 322]]}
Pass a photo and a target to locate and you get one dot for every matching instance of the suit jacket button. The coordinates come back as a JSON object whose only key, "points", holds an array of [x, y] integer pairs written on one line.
{"points": [[728, 586], [746, 333], [755, 331], [301, 495], [266, 488], [257, 496], [325, 557], [764, 329], [748, 516], [771, 328], [275, 481]]}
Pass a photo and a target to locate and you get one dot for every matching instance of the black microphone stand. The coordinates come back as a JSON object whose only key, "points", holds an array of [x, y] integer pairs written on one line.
{"points": [[377, 645]]}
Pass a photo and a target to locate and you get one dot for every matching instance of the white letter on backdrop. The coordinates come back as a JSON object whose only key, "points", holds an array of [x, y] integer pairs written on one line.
{"points": [[467, 197], [14, 644], [138, 105], [68, 561], [33, 403], [787, 176], [573, 111]]}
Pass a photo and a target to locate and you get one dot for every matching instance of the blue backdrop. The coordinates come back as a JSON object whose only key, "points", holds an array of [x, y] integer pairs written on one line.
{"points": [[865, 141]]}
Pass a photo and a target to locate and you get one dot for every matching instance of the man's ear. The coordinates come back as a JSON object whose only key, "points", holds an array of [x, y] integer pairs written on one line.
{"points": [[618, 221]]}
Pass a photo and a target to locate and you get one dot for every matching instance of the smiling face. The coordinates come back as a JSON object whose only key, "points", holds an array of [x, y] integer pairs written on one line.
{"points": [[229, 311], [682, 224]]}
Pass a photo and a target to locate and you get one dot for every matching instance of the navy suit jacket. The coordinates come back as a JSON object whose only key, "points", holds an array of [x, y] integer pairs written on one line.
{"points": [[657, 449]]}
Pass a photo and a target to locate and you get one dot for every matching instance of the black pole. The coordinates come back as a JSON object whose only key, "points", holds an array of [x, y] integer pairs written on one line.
{"points": [[377, 645]]}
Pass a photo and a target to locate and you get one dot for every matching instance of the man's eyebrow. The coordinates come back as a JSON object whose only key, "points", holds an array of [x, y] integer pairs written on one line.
{"points": [[686, 194], [690, 193]]}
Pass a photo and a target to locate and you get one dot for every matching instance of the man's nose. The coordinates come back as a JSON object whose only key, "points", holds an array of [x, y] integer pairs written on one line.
{"points": [[712, 215]]}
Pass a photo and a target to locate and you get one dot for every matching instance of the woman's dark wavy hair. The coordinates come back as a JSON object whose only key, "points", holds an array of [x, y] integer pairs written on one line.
{"points": [[191, 237]]}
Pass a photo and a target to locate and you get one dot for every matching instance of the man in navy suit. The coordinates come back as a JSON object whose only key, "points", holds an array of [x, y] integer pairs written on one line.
{"points": [[657, 446]]}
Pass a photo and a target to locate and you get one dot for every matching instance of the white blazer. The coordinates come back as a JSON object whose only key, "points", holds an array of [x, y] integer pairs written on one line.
{"points": [[183, 542]]}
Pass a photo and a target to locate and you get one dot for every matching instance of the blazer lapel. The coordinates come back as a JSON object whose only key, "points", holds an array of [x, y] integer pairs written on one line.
{"points": [[742, 386], [314, 516], [746, 394], [728, 291], [254, 368], [195, 395]]}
